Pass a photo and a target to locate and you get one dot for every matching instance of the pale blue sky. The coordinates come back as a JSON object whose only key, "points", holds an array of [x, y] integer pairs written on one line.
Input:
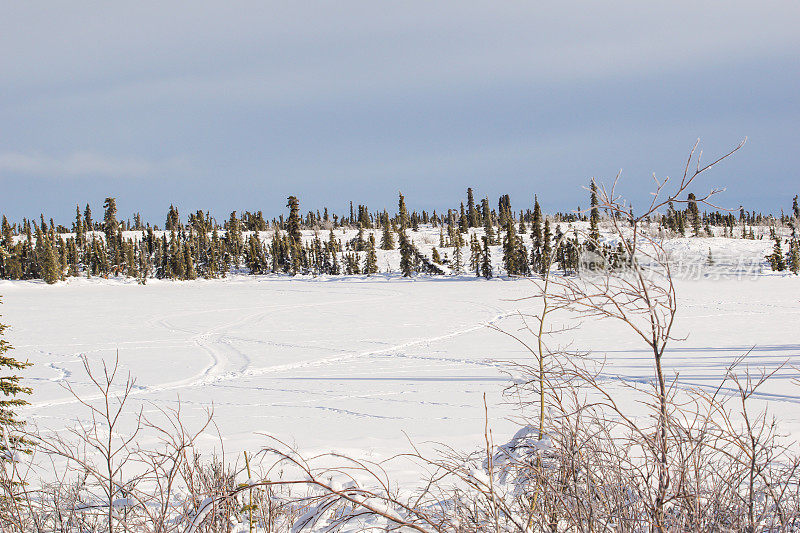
{"points": [[236, 105]]}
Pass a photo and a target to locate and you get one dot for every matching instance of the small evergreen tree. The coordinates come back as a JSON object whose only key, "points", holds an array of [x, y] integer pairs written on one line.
{"points": [[458, 261], [110, 224], [293, 223], [486, 259], [406, 255], [387, 240], [87, 218], [693, 214], [488, 223], [511, 249], [794, 256], [475, 255], [51, 266], [10, 399], [173, 219], [402, 212], [536, 236], [544, 264], [594, 217], [776, 260], [472, 213], [371, 261]]}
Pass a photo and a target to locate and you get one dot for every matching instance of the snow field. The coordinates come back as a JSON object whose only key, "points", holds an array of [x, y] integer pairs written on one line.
{"points": [[356, 364]]}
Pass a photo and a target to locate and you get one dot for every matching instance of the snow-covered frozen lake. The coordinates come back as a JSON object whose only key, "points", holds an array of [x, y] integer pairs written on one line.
{"points": [[355, 364]]}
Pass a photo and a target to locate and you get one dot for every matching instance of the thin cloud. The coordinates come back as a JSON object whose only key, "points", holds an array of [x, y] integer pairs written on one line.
{"points": [[87, 164]]}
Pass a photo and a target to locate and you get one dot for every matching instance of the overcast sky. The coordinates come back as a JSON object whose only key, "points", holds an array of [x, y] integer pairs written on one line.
{"points": [[236, 105]]}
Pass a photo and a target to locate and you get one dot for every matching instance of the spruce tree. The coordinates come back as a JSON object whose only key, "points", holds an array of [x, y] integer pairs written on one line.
{"points": [[488, 223], [371, 261], [458, 261], [10, 400], [50, 264], [387, 240], [561, 249], [594, 217], [406, 255], [475, 255], [7, 234], [536, 236], [361, 244], [546, 249], [131, 267], [110, 223], [472, 213], [463, 222], [511, 249], [794, 256], [87, 218], [189, 271], [693, 214], [293, 223], [776, 259], [173, 219], [486, 259], [234, 240], [402, 212]]}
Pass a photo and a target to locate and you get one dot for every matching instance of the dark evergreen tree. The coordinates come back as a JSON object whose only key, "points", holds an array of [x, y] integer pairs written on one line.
{"points": [[458, 261], [486, 259], [10, 400], [511, 249], [293, 223], [561, 250], [475, 255], [488, 223], [794, 256], [110, 224], [406, 255], [693, 214], [371, 261], [173, 221], [776, 259], [546, 249], [87, 218], [361, 243], [594, 218], [387, 240], [536, 236], [234, 240], [472, 213], [463, 221], [402, 213]]}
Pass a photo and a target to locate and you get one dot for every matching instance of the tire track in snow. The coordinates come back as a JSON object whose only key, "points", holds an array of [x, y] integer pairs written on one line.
{"points": [[206, 340], [254, 372]]}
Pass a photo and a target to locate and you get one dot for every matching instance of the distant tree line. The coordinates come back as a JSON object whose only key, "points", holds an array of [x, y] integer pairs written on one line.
{"points": [[200, 246]]}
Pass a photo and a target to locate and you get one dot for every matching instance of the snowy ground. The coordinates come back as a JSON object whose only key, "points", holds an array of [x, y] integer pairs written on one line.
{"points": [[355, 364]]}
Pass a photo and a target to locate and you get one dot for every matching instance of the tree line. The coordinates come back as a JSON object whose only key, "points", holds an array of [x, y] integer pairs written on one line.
{"points": [[200, 246]]}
